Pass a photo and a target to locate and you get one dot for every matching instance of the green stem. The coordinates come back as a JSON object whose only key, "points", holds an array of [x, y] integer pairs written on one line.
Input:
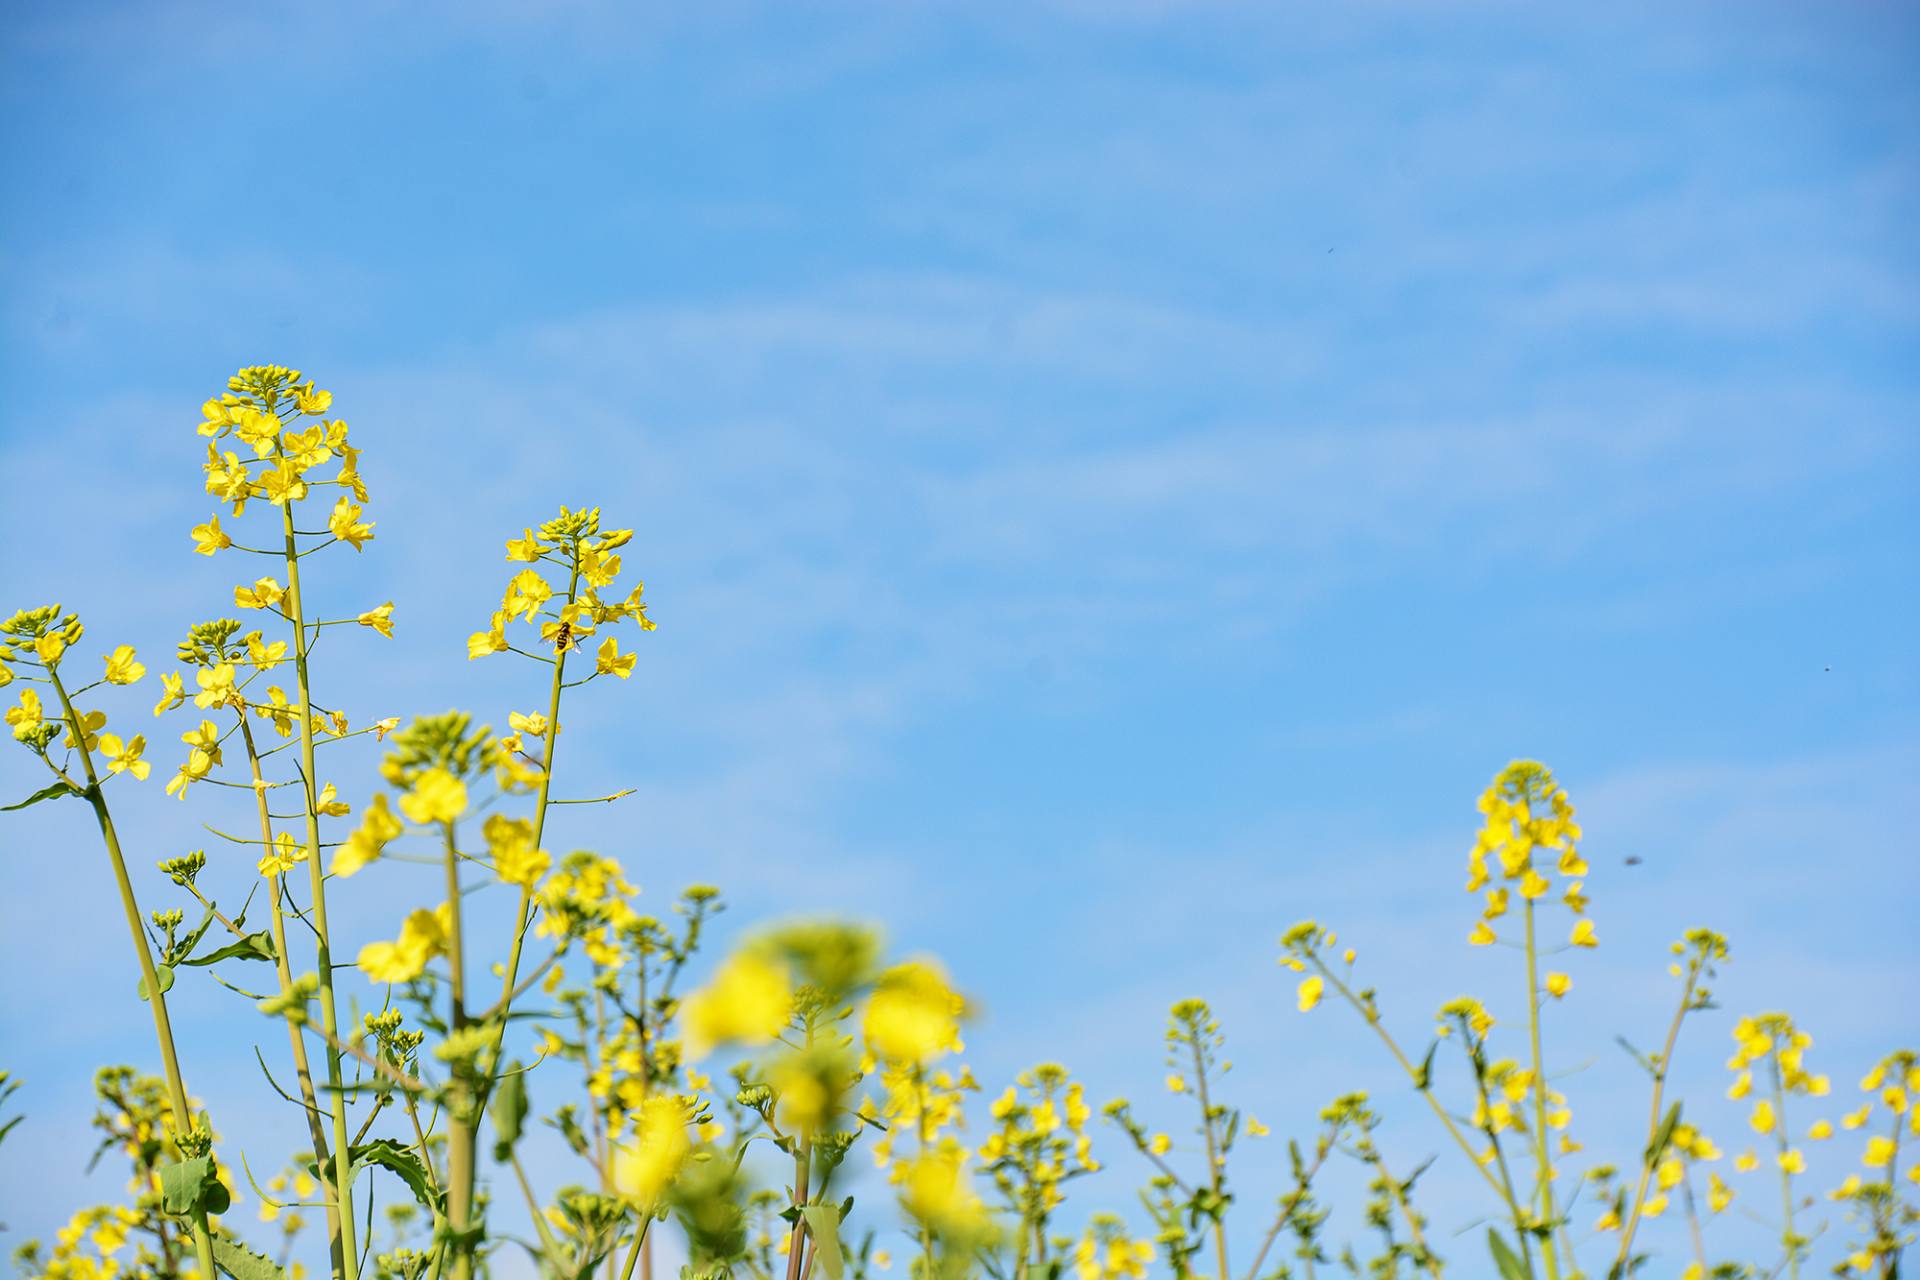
{"points": [[1215, 1172], [302, 1070], [1547, 1215], [463, 1113], [1372, 1017], [162, 1024], [329, 1019], [1787, 1237], [1660, 1069], [541, 803]]}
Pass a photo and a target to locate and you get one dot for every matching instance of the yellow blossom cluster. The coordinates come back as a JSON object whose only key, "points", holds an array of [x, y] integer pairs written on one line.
{"points": [[574, 545], [1527, 816]]}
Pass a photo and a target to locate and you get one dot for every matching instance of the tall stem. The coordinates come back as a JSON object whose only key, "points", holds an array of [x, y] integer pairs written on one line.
{"points": [[1547, 1214], [302, 1070], [156, 998], [1788, 1238], [541, 804], [329, 1019], [463, 1118], [1214, 1162], [1660, 1068], [1372, 1017]]}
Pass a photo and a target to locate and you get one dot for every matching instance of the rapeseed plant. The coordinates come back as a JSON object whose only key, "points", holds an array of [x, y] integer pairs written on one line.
{"points": [[804, 1043]]}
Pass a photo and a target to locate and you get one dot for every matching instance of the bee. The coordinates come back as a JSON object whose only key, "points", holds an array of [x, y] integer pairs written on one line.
{"points": [[563, 638], [1633, 860]]}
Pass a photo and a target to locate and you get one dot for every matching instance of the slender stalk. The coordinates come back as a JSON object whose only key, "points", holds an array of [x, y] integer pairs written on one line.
{"points": [[329, 1019], [1547, 1252], [1214, 1163], [1427, 1260], [1291, 1206], [462, 1117], [510, 975], [156, 998], [1787, 1236], [542, 801], [1372, 1018], [1693, 1219], [1660, 1068], [301, 1069]]}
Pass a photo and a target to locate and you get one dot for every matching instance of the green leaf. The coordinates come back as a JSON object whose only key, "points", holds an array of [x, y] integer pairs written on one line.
{"points": [[53, 792], [255, 946], [509, 1111], [1511, 1267], [1663, 1135], [189, 1185], [1423, 1078], [243, 1263], [164, 972], [824, 1221], [183, 947], [404, 1164]]}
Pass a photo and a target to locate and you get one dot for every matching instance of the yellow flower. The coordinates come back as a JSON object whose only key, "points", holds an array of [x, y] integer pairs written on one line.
{"points": [[1879, 1152], [1309, 992], [1582, 935], [531, 722], [1742, 1085], [1533, 885], [1482, 934], [346, 525], [1762, 1119], [216, 686], [1854, 1119], [1176, 1084], [422, 937], [645, 1166], [1159, 1144], [173, 692], [913, 1015], [527, 549], [437, 796], [1792, 1161], [1558, 984], [1719, 1194], [210, 537], [265, 656], [50, 646], [284, 855], [1821, 1129], [377, 827], [125, 757], [257, 428], [525, 594], [492, 640], [515, 860], [263, 594], [748, 1002], [121, 666], [26, 717], [1746, 1161], [380, 619], [90, 723], [282, 484], [610, 662]]}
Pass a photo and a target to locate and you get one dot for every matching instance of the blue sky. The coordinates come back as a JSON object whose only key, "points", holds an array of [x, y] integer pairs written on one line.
{"points": [[1113, 479]]}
